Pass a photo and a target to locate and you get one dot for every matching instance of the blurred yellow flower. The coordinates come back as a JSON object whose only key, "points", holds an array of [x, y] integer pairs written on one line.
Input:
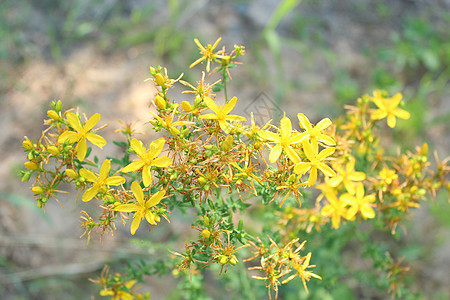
{"points": [[388, 175], [359, 203], [388, 107], [347, 175], [315, 162], [336, 209], [81, 134]]}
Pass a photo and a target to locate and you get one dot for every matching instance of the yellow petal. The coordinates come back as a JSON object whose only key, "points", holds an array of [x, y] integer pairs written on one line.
{"points": [[135, 224], [115, 180], [150, 217], [285, 127], [137, 146], [326, 170], [104, 170], [391, 121], [146, 176], [298, 138], [134, 166], [229, 106], [402, 114], [309, 152], [96, 139], [90, 193], [367, 212], [301, 168], [127, 207], [155, 199], [211, 105], [92, 122], [270, 136], [74, 122], [161, 162], [325, 153], [138, 192], [356, 176], [304, 122], [323, 124], [275, 153], [378, 114], [312, 176], [72, 136], [156, 147], [88, 175], [81, 149]]}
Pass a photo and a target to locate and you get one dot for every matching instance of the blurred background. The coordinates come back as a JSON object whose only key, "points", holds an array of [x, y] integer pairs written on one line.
{"points": [[304, 56]]}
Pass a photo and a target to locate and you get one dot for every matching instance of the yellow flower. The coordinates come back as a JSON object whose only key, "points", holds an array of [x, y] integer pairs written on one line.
{"points": [[142, 209], [147, 159], [388, 175], [315, 162], [168, 122], [359, 202], [388, 107], [221, 113], [302, 272], [315, 133], [81, 134], [336, 209], [283, 140], [119, 295], [101, 181], [347, 176], [208, 54], [254, 130]]}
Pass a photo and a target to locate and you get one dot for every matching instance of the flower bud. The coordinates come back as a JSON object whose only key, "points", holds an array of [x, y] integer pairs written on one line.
{"points": [[206, 221], [58, 106], [159, 79], [186, 106], [160, 102], [37, 190], [71, 173], [157, 218], [27, 144], [53, 150], [206, 233], [26, 176], [223, 260], [53, 115], [31, 165], [233, 260], [30, 155], [202, 180]]}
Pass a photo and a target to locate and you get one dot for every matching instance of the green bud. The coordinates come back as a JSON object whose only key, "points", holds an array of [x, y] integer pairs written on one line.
{"points": [[233, 260]]}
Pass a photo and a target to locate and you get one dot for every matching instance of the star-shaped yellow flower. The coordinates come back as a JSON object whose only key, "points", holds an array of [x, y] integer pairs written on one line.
{"points": [[315, 132], [143, 208], [81, 134], [101, 181], [315, 162], [347, 175], [147, 159], [284, 140], [336, 209], [388, 175], [359, 203], [222, 113], [388, 107], [302, 271], [208, 54]]}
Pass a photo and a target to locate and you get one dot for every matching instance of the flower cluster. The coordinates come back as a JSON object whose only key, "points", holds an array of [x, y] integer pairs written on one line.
{"points": [[206, 151]]}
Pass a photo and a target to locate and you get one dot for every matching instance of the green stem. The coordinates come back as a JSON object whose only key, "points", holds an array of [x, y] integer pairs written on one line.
{"points": [[224, 82]]}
